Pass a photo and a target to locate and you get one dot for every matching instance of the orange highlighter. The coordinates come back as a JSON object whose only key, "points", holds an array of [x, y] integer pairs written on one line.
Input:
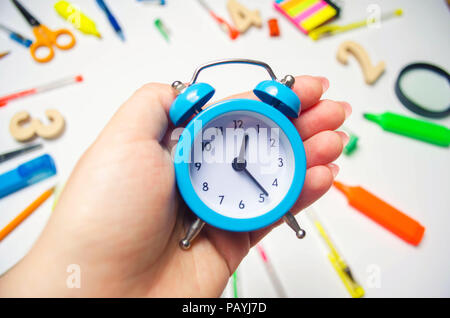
{"points": [[384, 214]]}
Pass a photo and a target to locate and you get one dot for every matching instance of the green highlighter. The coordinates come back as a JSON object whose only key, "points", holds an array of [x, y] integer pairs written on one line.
{"points": [[411, 127]]}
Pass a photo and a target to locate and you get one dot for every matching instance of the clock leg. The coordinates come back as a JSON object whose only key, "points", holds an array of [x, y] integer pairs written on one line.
{"points": [[191, 233], [292, 222]]}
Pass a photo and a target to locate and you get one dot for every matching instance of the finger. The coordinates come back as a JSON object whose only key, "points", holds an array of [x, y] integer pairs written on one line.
{"points": [[325, 115], [309, 89], [324, 147], [145, 114], [318, 181]]}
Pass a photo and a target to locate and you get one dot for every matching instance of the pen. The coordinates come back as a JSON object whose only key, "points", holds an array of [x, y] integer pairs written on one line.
{"points": [[111, 19], [12, 154], [16, 36], [343, 270]]}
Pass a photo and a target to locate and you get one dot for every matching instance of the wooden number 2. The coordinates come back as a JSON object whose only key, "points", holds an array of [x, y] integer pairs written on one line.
{"points": [[371, 73], [22, 132], [242, 17]]}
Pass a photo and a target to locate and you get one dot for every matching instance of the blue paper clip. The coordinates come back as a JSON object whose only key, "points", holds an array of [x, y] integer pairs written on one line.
{"points": [[26, 174]]}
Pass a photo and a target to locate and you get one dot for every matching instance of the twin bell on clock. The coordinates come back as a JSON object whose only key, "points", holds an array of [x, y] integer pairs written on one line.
{"points": [[238, 193]]}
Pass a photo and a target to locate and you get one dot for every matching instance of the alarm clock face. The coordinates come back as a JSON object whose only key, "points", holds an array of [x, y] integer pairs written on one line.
{"points": [[242, 164]]}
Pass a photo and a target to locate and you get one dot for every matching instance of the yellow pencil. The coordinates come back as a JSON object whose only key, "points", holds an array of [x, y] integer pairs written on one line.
{"points": [[25, 213]]}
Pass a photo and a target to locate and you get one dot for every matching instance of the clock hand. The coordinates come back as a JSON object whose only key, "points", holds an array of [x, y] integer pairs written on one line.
{"points": [[241, 156], [240, 164], [256, 182]]}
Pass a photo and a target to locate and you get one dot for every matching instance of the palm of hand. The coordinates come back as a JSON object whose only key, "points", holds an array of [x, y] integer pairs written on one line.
{"points": [[120, 216]]}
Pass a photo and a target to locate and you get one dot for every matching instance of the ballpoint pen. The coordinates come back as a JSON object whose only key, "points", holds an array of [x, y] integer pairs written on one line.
{"points": [[339, 264], [16, 36], [232, 32], [12, 154], [111, 19]]}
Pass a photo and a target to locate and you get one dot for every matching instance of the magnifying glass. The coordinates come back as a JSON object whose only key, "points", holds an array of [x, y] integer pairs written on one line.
{"points": [[424, 89]]}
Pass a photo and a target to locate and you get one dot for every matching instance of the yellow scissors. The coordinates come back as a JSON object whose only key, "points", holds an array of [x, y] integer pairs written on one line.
{"points": [[45, 38]]}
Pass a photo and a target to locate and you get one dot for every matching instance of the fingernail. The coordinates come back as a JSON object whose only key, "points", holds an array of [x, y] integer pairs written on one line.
{"points": [[325, 83], [334, 169], [347, 109], [344, 137]]}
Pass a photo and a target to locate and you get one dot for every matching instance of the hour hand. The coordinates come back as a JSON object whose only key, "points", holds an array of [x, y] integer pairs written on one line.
{"points": [[241, 156]]}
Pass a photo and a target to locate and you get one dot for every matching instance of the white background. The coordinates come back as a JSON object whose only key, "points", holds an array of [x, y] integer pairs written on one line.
{"points": [[411, 175]]}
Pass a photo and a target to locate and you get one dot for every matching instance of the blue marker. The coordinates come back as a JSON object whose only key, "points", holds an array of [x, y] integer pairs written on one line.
{"points": [[111, 19], [26, 174], [17, 37]]}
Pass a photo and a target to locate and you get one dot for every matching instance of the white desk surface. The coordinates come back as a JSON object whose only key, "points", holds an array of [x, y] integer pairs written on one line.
{"points": [[411, 175]]}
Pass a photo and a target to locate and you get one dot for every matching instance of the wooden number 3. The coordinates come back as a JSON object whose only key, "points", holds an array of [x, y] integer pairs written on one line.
{"points": [[23, 132], [371, 73]]}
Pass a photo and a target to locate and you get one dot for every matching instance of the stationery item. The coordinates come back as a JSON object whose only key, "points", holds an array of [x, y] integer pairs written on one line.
{"points": [[332, 29], [225, 26], [161, 2], [162, 29], [12, 154], [352, 143], [16, 36], [411, 127], [307, 15], [371, 73], [77, 18], [26, 174], [341, 267], [271, 272], [274, 30], [384, 214], [111, 19], [424, 89], [40, 89], [235, 285], [24, 132], [25, 213], [3, 54], [242, 17], [45, 38]]}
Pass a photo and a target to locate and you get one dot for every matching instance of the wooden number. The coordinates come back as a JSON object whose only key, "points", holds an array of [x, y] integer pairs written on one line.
{"points": [[243, 18], [22, 132], [371, 73]]}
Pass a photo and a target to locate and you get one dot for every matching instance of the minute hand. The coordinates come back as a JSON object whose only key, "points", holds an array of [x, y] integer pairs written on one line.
{"points": [[256, 182]]}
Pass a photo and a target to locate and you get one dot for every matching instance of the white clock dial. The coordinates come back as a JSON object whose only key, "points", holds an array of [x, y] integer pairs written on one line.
{"points": [[260, 178]]}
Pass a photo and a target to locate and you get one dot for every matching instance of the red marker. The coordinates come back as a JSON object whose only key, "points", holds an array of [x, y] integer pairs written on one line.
{"points": [[46, 87]]}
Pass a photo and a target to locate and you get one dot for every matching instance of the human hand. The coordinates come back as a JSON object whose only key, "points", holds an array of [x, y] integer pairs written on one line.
{"points": [[120, 217]]}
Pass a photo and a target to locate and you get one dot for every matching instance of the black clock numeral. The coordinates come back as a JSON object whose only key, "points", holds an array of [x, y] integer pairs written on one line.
{"points": [[262, 197], [221, 198], [198, 165], [241, 205], [238, 123], [280, 162], [219, 130], [205, 186], [257, 128], [275, 182]]}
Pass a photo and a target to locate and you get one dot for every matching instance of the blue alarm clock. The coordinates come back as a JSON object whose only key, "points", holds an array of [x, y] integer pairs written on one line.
{"points": [[240, 164]]}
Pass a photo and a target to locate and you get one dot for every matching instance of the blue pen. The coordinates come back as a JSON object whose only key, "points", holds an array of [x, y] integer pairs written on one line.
{"points": [[26, 174], [17, 37], [111, 19]]}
